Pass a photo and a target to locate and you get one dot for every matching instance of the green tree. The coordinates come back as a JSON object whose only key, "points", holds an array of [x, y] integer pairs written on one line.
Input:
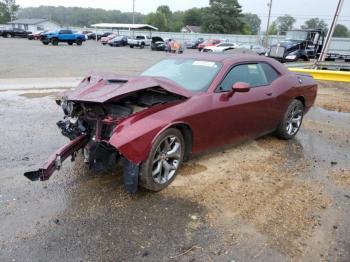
{"points": [[315, 23], [177, 21], [161, 18], [12, 8], [8, 10], [253, 21], [273, 30], [341, 31], [4, 14], [285, 23], [158, 20], [193, 16], [223, 16]]}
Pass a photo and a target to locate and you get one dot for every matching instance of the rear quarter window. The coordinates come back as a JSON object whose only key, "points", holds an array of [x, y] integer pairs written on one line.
{"points": [[270, 73]]}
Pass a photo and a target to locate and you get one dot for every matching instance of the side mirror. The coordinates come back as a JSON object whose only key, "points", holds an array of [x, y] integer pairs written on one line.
{"points": [[240, 87], [237, 87]]}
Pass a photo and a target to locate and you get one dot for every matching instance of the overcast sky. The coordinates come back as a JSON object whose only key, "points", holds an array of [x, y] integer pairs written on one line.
{"points": [[300, 9]]}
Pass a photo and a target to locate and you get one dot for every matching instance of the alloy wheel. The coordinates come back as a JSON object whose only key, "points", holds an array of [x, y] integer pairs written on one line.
{"points": [[294, 120], [166, 159]]}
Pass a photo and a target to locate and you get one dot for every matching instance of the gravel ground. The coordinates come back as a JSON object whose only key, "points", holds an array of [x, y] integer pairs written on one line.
{"points": [[264, 200]]}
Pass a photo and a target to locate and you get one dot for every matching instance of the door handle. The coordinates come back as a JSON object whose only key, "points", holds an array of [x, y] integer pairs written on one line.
{"points": [[269, 94]]}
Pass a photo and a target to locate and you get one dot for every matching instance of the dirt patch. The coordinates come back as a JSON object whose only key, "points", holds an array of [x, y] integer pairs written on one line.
{"points": [[191, 168], [263, 189], [334, 96], [341, 177]]}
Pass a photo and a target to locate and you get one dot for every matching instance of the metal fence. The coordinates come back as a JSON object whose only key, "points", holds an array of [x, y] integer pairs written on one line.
{"points": [[337, 45]]}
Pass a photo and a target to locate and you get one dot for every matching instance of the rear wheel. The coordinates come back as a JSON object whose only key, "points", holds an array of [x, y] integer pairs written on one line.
{"points": [[164, 160], [131, 46], [292, 120], [70, 43], [8, 35]]}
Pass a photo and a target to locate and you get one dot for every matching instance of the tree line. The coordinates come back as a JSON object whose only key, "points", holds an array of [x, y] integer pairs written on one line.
{"points": [[221, 17], [284, 23]]}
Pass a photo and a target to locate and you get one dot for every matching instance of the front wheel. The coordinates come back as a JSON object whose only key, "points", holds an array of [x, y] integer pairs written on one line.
{"points": [[292, 120], [164, 160], [79, 42], [54, 41]]}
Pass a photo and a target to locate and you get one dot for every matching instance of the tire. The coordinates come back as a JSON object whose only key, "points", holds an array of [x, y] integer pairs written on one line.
{"points": [[131, 46], [168, 141], [54, 41], [8, 35], [45, 42], [142, 46], [78, 42], [292, 120], [70, 43]]}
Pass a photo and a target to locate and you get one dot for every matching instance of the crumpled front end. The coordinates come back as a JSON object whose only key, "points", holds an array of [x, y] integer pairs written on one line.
{"points": [[92, 115]]}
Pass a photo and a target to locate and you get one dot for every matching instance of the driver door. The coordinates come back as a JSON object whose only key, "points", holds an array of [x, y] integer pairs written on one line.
{"points": [[242, 115]]}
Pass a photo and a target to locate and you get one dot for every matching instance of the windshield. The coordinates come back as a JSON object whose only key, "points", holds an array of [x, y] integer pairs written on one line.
{"points": [[296, 36], [193, 75]]}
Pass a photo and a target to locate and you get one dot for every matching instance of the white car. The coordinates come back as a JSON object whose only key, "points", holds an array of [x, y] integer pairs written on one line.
{"points": [[140, 41], [219, 48]]}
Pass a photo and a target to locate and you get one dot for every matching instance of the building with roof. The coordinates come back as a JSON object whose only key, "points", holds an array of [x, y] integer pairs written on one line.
{"points": [[191, 29], [34, 24]]}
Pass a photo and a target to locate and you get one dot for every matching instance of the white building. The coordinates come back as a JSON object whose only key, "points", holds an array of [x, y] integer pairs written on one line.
{"points": [[34, 24]]}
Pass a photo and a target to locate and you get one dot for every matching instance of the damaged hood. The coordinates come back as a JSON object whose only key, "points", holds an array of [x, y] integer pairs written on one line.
{"points": [[103, 87]]}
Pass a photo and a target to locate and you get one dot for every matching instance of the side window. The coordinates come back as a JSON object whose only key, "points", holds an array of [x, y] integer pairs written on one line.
{"points": [[270, 73], [252, 74]]}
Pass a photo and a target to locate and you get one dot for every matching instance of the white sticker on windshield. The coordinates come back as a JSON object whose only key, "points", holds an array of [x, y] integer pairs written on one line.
{"points": [[204, 63]]}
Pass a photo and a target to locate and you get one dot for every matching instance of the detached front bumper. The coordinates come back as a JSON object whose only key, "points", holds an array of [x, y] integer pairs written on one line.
{"points": [[54, 162]]}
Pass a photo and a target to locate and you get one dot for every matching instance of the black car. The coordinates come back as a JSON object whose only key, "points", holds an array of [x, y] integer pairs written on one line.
{"points": [[298, 45], [193, 44], [119, 40], [92, 36], [15, 32], [158, 44]]}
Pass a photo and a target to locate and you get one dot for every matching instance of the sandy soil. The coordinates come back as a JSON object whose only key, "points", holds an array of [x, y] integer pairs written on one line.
{"points": [[334, 96]]}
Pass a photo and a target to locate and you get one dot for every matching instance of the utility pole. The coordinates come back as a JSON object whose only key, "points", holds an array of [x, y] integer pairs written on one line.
{"points": [[133, 11], [268, 24], [329, 36]]}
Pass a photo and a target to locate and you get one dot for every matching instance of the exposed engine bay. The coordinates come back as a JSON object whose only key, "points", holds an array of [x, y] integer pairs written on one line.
{"points": [[98, 120]]}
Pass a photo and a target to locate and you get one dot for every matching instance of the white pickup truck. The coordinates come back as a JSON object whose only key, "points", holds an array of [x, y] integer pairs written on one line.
{"points": [[140, 41]]}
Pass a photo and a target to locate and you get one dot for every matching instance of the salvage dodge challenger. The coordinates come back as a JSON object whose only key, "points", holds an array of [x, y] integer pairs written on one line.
{"points": [[180, 106]]}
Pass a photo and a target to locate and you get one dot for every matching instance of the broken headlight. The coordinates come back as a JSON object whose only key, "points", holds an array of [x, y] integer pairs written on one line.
{"points": [[69, 108]]}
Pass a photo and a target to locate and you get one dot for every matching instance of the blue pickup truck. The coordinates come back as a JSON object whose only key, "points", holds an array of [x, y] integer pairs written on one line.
{"points": [[63, 35]]}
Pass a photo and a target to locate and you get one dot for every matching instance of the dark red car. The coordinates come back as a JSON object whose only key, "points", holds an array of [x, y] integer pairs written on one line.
{"points": [[182, 105], [208, 42]]}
